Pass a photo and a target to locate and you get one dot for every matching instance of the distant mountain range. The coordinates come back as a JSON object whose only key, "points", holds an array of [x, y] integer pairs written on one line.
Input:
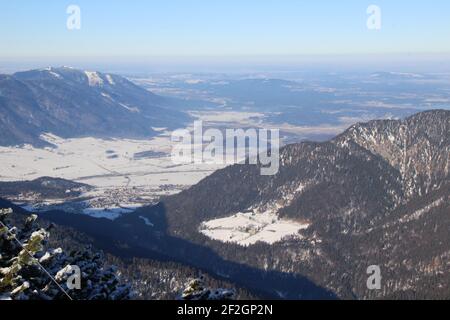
{"points": [[72, 103], [378, 194]]}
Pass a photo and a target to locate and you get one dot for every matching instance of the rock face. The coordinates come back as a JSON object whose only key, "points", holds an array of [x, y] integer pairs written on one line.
{"points": [[418, 147], [378, 194], [71, 103]]}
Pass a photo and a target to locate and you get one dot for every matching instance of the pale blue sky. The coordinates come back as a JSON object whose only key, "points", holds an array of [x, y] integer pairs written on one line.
{"points": [[110, 29]]}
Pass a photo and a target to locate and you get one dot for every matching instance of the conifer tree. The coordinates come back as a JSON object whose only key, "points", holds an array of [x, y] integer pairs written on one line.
{"points": [[29, 271], [196, 290]]}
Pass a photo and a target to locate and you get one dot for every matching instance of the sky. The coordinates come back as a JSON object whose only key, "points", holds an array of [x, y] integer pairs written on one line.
{"points": [[199, 31]]}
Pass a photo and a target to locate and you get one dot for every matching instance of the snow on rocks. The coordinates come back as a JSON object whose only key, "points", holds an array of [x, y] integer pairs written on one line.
{"points": [[110, 79], [93, 78]]}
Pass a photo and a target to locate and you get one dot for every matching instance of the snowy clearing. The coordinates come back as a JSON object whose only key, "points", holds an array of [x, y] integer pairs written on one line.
{"points": [[248, 228]]}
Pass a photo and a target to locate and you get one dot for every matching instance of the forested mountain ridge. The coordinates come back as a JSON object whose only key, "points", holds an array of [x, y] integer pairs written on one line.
{"points": [[378, 194]]}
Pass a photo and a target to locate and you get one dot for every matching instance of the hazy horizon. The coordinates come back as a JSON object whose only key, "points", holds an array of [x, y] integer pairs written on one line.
{"points": [[200, 36], [421, 63]]}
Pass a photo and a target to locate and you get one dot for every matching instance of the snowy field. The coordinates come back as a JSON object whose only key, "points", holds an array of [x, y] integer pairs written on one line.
{"points": [[259, 120], [125, 173], [248, 228]]}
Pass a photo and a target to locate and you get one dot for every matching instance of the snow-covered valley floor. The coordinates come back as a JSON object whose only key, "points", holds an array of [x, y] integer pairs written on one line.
{"points": [[125, 173]]}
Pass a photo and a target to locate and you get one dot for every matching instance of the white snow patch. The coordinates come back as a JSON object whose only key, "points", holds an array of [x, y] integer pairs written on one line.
{"points": [[147, 221], [93, 78], [281, 294], [56, 75], [107, 213], [106, 95], [419, 213], [249, 228], [110, 79], [194, 81], [131, 109], [159, 129]]}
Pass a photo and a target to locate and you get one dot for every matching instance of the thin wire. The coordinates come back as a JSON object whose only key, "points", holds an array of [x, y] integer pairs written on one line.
{"points": [[37, 261]]}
